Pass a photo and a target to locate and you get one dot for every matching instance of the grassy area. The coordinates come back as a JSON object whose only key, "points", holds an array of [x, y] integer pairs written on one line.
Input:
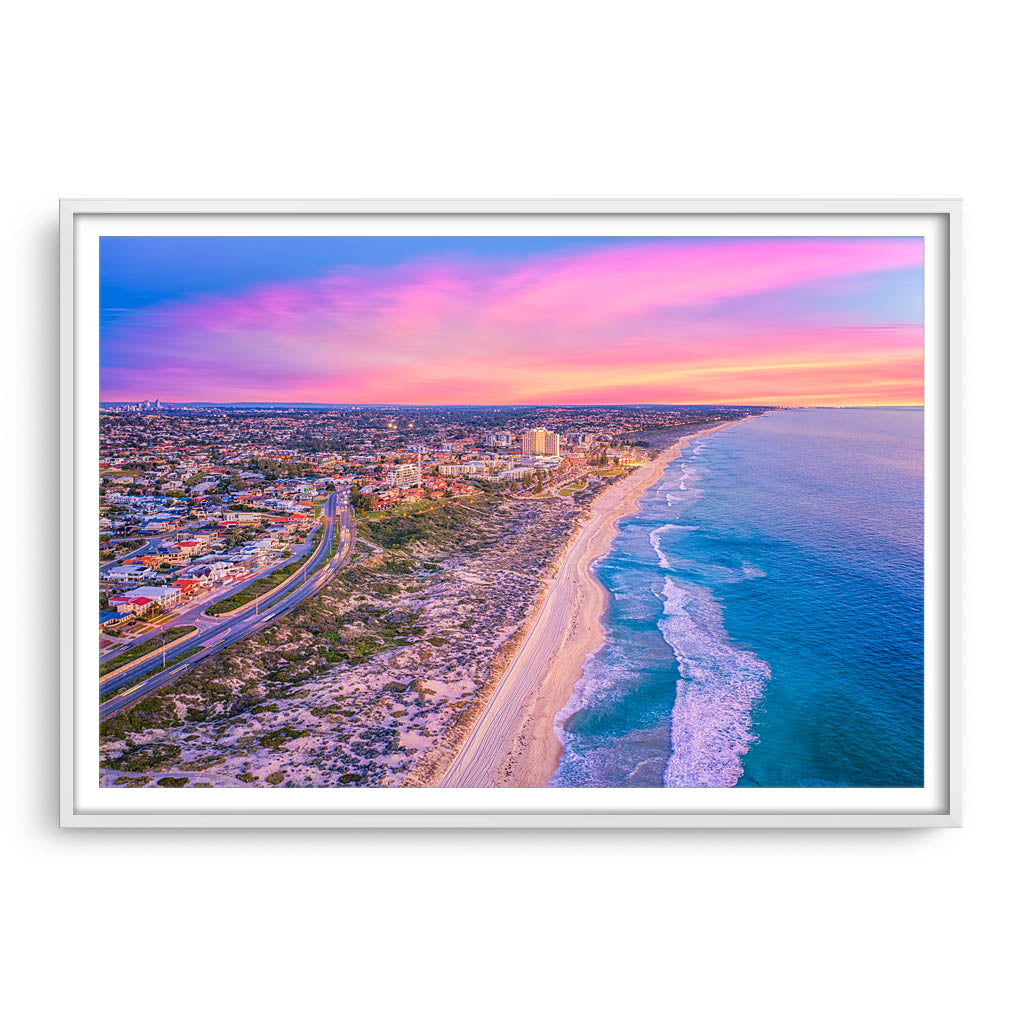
{"points": [[152, 672], [611, 472], [141, 650], [437, 523], [571, 489], [258, 587], [409, 509], [116, 551]]}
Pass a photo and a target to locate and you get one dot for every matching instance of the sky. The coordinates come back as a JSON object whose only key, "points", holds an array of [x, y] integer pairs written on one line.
{"points": [[513, 320]]}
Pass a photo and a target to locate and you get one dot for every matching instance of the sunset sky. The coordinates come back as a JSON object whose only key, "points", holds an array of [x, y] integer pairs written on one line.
{"points": [[510, 320]]}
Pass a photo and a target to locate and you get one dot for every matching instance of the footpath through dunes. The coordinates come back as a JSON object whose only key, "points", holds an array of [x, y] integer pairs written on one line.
{"points": [[513, 741]]}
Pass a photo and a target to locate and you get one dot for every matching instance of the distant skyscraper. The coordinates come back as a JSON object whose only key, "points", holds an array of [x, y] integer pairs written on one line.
{"points": [[540, 442], [500, 439]]}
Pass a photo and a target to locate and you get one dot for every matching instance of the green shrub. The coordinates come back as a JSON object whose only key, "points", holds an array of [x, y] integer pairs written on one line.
{"points": [[132, 780], [279, 737], [144, 757]]}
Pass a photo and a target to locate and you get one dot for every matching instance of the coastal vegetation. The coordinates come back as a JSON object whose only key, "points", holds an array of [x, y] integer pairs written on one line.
{"points": [[362, 684], [146, 647]]}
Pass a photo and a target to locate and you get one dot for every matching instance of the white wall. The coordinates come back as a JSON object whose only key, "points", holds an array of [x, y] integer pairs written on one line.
{"points": [[527, 99]]}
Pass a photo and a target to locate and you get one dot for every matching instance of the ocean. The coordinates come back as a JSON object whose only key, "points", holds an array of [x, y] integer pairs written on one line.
{"points": [[766, 617]]}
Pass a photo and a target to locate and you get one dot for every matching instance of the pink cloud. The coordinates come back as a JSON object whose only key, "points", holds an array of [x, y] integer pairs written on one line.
{"points": [[621, 322]]}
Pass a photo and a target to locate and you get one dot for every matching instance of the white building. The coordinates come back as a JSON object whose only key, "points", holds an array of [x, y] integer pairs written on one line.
{"points": [[459, 468], [488, 468], [166, 597], [404, 475], [133, 572], [518, 473]]}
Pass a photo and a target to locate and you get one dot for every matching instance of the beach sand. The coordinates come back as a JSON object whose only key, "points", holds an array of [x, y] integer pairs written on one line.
{"points": [[513, 741]]}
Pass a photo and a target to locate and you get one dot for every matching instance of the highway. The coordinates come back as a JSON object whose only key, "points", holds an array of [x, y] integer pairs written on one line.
{"points": [[217, 633], [190, 615]]}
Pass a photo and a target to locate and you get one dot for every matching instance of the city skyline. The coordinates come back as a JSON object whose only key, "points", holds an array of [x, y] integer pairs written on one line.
{"points": [[513, 321]]}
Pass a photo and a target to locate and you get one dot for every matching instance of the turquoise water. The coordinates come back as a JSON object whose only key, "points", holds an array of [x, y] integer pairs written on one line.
{"points": [[766, 619]]}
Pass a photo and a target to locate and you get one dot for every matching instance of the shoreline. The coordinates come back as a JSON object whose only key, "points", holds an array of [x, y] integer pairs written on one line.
{"points": [[513, 740]]}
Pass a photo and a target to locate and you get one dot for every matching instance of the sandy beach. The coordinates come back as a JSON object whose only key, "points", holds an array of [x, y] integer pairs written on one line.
{"points": [[513, 741]]}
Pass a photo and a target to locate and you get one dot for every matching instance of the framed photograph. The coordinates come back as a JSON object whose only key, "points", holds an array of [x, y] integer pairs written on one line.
{"points": [[518, 513]]}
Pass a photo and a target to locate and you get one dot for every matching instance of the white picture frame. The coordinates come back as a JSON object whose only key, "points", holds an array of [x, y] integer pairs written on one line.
{"points": [[81, 222]]}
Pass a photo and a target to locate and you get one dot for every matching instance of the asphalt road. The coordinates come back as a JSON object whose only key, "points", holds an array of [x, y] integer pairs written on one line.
{"points": [[217, 633], [146, 547], [191, 615]]}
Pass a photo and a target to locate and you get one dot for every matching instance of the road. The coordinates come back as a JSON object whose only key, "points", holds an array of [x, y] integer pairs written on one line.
{"points": [[217, 633], [191, 615], [149, 546]]}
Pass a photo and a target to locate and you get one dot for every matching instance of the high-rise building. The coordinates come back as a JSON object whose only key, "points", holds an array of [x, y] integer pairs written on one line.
{"points": [[540, 442], [500, 439], [403, 475]]}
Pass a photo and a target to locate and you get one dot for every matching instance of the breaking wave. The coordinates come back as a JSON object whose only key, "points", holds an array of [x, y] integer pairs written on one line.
{"points": [[718, 686], [669, 492], [655, 536], [592, 683]]}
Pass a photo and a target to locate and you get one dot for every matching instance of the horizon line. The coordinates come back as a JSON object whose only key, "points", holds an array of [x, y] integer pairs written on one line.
{"points": [[513, 405]]}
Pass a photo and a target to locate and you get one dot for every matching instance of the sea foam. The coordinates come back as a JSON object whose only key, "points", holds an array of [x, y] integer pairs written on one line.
{"points": [[668, 491], [718, 686], [655, 536]]}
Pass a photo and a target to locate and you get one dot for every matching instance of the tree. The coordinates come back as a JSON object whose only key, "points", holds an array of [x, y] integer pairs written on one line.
{"points": [[360, 502]]}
